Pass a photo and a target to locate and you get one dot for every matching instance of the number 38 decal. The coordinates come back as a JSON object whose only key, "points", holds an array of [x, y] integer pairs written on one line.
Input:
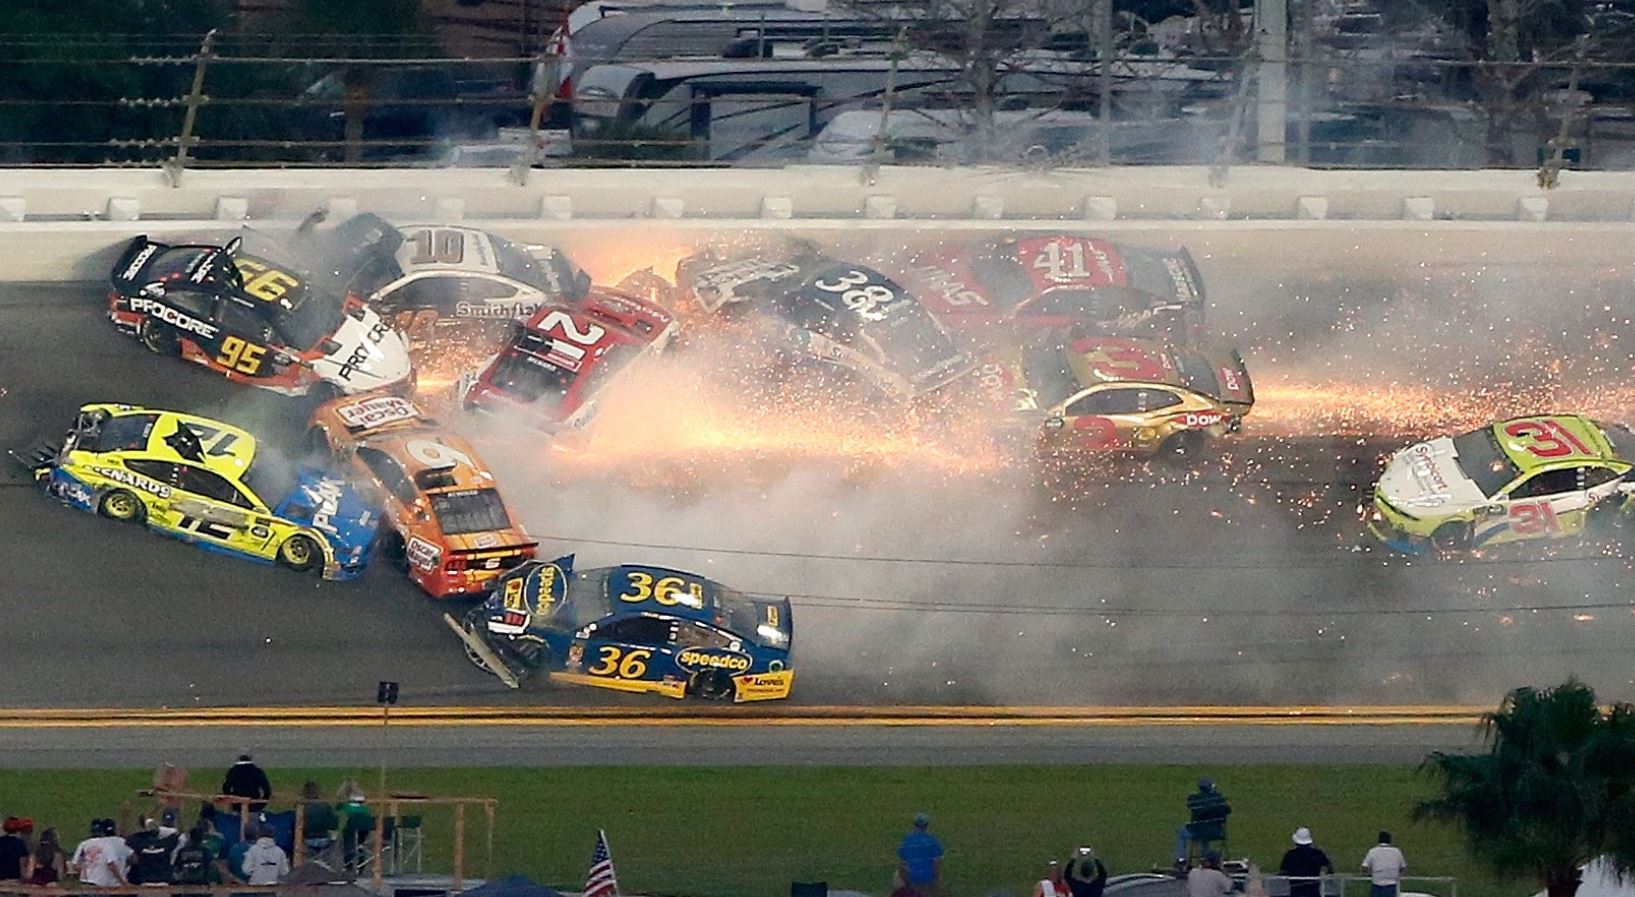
{"points": [[617, 662]]}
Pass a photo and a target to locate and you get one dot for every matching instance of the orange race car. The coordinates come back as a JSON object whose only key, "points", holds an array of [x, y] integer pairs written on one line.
{"points": [[446, 522]]}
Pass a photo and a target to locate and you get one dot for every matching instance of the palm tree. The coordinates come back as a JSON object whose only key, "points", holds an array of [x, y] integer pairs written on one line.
{"points": [[1555, 789]]}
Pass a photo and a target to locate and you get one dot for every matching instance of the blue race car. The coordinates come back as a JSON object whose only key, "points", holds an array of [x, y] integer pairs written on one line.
{"points": [[631, 628]]}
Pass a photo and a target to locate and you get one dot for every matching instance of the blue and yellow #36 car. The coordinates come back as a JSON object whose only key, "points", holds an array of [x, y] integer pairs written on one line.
{"points": [[191, 478], [632, 628]]}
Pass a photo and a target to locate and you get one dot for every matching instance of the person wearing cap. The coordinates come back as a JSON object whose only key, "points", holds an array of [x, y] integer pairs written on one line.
{"points": [[101, 860], [152, 851], [919, 858], [1305, 863], [14, 847], [1051, 885], [1207, 879], [1207, 810], [245, 779], [1384, 865], [1085, 875]]}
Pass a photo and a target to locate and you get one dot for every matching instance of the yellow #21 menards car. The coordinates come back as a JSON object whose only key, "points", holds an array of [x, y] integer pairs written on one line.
{"points": [[1541, 477]]}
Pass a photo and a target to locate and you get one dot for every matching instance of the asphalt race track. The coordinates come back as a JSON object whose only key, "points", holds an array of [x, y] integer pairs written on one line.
{"points": [[1236, 582]]}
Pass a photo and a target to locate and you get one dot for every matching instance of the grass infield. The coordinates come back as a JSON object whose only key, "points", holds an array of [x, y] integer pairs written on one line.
{"points": [[738, 832]]}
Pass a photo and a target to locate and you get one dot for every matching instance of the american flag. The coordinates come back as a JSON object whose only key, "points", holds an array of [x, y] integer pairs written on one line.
{"points": [[602, 882]]}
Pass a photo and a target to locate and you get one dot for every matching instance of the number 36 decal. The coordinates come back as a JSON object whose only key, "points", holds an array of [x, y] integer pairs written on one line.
{"points": [[615, 661]]}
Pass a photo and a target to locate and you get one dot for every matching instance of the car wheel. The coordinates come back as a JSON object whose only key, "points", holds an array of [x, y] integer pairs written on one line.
{"points": [[318, 443], [1186, 445], [710, 685], [159, 339], [473, 619], [120, 504], [391, 548], [300, 553], [1452, 537]]}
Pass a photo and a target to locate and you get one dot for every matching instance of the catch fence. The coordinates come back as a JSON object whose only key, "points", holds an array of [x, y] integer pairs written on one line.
{"points": [[219, 101]]}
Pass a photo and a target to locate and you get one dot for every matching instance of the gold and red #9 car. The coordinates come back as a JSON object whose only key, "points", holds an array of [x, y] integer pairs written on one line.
{"points": [[446, 519], [1095, 395]]}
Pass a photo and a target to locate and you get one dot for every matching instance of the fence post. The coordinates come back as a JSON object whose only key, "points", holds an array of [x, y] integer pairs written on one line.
{"points": [[1549, 174], [1234, 131], [195, 96], [1104, 102], [459, 845]]}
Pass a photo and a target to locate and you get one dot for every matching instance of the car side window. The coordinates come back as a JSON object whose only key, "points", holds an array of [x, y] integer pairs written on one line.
{"points": [[1596, 476], [427, 292], [1108, 401], [389, 473], [1550, 482], [242, 322], [1154, 399], [637, 631], [211, 485], [163, 471], [196, 304], [481, 289], [698, 635]]}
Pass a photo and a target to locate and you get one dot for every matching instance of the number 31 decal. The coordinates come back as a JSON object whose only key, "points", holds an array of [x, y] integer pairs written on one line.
{"points": [[1546, 438]]}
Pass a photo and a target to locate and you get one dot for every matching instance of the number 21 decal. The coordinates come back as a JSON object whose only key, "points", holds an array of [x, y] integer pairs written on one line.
{"points": [[573, 339]]}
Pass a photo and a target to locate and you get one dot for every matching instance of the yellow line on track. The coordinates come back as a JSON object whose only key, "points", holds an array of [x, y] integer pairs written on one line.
{"points": [[711, 716]]}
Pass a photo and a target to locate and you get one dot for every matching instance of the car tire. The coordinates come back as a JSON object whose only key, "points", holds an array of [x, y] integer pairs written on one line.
{"points": [[710, 685], [158, 338], [1183, 446], [393, 550], [300, 553], [317, 443], [1452, 537], [474, 617], [471, 619], [123, 505]]}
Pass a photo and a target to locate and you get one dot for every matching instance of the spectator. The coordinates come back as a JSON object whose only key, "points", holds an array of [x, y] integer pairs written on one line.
{"points": [[167, 825], [265, 863], [1085, 876], [246, 779], [241, 847], [919, 857], [46, 866], [1207, 880], [1384, 865], [151, 852], [1051, 885], [318, 819], [1303, 864], [14, 847], [195, 860], [355, 821], [1207, 810], [101, 860]]}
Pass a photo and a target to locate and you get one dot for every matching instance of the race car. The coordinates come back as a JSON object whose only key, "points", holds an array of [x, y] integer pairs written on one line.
{"points": [[1541, 477], [255, 319], [632, 628], [193, 479], [1109, 394], [556, 365], [445, 520], [1060, 281], [420, 276], [840, 315]]}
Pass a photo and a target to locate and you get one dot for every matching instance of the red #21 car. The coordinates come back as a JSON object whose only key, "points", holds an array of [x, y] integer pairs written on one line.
{"points": [[558, 362]]}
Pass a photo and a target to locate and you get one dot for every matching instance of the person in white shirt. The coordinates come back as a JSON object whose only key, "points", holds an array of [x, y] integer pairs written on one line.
{"points": [[101, 860], [1208, 880], [1384, 865], [265, 862], [1051, 885]]}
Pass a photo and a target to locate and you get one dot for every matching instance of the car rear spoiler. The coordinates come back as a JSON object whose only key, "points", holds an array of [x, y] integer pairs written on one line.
{"points": [[494, 549], [1194, 281], [36, 456], [127, 272]]}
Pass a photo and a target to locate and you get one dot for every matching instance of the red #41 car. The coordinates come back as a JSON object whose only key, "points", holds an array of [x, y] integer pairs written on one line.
{"points": [[557, 363], [1061, 281], [446, 520]]}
